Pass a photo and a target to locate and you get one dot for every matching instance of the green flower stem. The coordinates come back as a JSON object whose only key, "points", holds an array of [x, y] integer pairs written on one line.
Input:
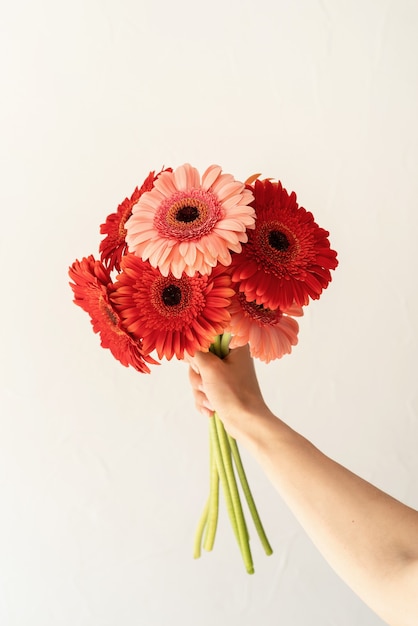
{"points": [[219, 459], [216, 345], [199, 532], [212, 519], [238, 514], [225, 459], [248, 496], [224, 344]]}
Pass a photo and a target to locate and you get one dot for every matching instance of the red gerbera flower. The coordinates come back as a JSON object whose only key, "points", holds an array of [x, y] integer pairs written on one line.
{"points": [[113, 247], [92, 286], [269, 333], [287, 258], [172, 315]]}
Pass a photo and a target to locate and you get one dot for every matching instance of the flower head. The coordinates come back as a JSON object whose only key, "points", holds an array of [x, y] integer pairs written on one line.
{"points": [[288, 257], [269, 333], [91, 287], [171, 315], [114, 245], [187, 223]]}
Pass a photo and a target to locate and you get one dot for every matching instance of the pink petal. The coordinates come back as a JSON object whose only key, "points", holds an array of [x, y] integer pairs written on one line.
{"points": [[225, 235], [159, 257], [184, 177], [221, 181], [136, 239], [232, 201], [210, 175], [188, 252], [193, 177], [165, 184], [225, 258], [230, 189], [151, 248], [177, 266], [230, 225]]}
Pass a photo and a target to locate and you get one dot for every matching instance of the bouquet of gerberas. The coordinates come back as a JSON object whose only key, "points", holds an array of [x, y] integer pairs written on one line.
{"points": [[193, 263]]}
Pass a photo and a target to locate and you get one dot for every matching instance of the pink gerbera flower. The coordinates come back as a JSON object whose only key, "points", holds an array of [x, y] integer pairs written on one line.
{"points": [[172, 315], [288, 257], [269, 333], [114, 245], [91, 288], [187, 223]]}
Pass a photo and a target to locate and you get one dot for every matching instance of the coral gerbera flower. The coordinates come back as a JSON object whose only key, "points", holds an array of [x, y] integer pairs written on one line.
{"points": [[288, 257], [270, 333], [172, 315], [188, 224], [92, 286], [114, 245]]}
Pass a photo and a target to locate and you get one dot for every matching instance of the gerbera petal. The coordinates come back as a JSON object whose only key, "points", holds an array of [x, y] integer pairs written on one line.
{"points": [[210, 175], [232, 225], [225, 234], [139, 237], [186, 177], [251, 179], [225, 258], [221, 182], [177, 266], [231, 202], [230, 190], [160, 255], [241, 272], [165, 185], [294, 310], [190, 257]]}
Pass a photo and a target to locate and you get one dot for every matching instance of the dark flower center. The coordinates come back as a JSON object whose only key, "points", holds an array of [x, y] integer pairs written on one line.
{"points": [[258, 312], [111, 316], [278, 240], [187, 214], [171, 295]]}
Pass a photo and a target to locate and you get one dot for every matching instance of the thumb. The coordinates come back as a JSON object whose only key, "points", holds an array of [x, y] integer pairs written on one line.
{"points": [[205, 363]]}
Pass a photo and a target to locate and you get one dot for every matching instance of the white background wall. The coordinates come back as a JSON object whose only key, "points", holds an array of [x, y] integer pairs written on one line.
{"points": [[103, 471]]}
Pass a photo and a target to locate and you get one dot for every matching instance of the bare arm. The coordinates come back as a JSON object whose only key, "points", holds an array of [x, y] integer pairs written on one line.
{"points": [[368, 537]]}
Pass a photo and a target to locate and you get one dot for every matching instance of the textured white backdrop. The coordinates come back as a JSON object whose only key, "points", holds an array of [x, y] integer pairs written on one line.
{"points": [[103, 471]]}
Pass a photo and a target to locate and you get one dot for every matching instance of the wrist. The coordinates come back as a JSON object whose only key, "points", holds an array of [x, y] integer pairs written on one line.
{"points": [[256, 427]]}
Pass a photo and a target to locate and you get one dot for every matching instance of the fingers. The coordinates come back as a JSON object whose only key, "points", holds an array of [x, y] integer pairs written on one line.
{"points": [[242, 351], [201, 401], [194, 376], [206, 362]]}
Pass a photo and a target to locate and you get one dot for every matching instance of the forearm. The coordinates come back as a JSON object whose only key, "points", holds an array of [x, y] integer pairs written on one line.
{"points": [[369, 538]]}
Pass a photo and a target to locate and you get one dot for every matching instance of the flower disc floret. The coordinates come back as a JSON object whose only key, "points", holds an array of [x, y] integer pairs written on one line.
{"points": [[188, 224]]}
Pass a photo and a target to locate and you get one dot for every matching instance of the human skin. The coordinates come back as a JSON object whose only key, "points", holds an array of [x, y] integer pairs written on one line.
{"points": [[369, 538]]}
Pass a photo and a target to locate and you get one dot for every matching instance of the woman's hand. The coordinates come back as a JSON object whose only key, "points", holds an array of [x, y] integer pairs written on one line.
{"points": [[230, 387]]}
